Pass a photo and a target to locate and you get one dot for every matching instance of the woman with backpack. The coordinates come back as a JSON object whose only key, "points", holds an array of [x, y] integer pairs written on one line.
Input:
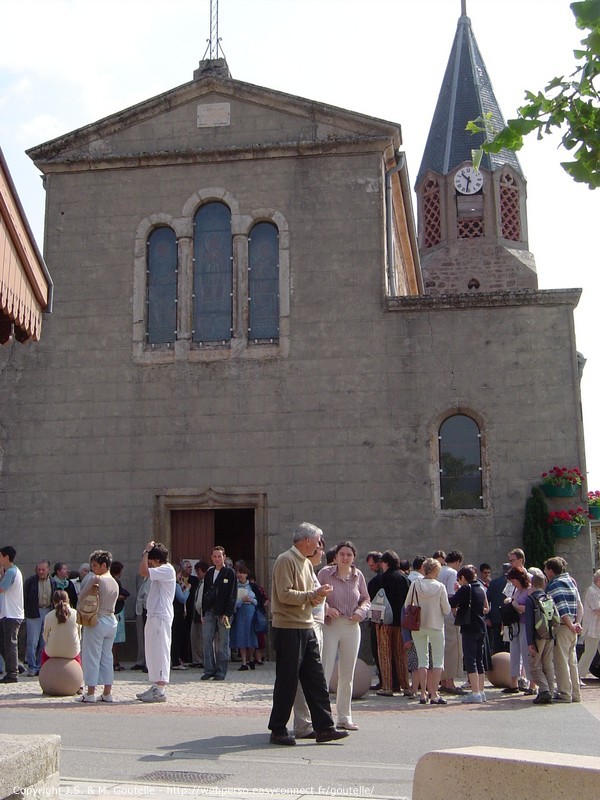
{"points": [[519, 649]]}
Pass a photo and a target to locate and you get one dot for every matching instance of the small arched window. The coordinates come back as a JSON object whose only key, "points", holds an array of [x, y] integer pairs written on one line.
{"points": [[460, 463], [161, 297], [263, 282], [213, 274]]}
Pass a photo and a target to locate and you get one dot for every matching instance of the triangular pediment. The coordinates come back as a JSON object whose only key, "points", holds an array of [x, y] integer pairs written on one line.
{"points": [[212, 114]]}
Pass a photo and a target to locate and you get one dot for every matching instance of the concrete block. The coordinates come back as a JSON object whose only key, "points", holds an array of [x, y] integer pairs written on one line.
{"points": [[29, 766], [497, 773]]}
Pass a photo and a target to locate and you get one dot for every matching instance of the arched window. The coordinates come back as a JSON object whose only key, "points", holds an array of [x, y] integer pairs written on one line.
{"points": [[263, 282], [460, 463], [161, 296], [213, 274]]}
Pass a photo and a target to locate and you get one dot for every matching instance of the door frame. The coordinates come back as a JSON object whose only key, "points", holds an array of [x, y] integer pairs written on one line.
{"points": [[214, 498]]}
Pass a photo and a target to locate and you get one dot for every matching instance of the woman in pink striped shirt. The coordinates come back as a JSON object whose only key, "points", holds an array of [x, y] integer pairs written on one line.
{"points": [[346, 607]]}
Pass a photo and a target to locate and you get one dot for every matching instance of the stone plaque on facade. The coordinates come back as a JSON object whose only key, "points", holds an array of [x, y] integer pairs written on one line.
{"points": [[211, 115]]}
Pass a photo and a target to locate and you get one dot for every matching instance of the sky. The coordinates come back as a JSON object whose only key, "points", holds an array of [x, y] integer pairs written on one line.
{"points": [[67, 63]]}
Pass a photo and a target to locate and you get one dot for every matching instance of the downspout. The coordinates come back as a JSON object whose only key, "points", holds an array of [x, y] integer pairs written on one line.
{"points": [[391, 272]]}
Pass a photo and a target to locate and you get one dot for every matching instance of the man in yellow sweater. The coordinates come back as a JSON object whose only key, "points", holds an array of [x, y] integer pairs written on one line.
{"points": [[296, 647]]}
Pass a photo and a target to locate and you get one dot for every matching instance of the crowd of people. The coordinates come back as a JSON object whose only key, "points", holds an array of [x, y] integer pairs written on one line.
{"points": [[200, 620]]}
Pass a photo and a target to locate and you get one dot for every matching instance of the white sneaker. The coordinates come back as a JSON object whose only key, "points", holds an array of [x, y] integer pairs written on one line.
{"points": [[106, 698], [86, 698], [473, 697], [146, 693], [156, 695]]}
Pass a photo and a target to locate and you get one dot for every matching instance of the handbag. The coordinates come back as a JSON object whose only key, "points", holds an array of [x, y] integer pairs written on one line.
{"points": [[509, 614], [381, 612], [463, 615], [259, 621], [87, 608], [412, 614]]}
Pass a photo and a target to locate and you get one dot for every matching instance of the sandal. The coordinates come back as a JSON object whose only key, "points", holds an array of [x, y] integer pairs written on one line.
{"points": [[384, 693], [439, 701]]}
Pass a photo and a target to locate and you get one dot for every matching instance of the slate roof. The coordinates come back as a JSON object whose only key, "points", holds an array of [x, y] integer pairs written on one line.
{"points": [[466, 94]]}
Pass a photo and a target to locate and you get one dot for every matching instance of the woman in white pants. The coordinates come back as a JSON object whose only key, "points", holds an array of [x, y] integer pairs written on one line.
{"points": [[591, 625], [346, 607]]}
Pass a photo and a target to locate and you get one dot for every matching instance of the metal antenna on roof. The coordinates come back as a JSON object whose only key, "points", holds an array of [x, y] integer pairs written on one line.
{"points": [[214, 42]]}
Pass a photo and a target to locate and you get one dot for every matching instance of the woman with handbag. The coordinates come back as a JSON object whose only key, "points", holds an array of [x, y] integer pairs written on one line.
{"points": [[431, 597], [469, 606], [97, 641], [345, 608]]}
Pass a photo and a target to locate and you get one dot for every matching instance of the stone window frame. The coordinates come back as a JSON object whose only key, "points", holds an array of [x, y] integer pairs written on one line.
{"points": [[435, 466], [239, 345]]}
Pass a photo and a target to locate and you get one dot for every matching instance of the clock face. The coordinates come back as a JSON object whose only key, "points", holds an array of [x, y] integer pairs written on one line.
{"points": [[468, 180]]}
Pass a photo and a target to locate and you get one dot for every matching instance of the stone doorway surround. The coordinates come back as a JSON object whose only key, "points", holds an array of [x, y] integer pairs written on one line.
{"points": [[212, 499]]}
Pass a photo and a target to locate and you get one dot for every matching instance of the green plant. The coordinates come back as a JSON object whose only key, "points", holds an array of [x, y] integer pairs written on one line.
{"points": [[569, 105], [538, 542]]}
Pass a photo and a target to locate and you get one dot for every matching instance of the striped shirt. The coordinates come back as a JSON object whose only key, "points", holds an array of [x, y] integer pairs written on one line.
{"points": [[565, 595], [349, 595]]}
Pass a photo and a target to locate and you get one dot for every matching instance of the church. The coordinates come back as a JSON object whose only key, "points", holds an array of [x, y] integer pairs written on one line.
{"points": [[252, 327]]}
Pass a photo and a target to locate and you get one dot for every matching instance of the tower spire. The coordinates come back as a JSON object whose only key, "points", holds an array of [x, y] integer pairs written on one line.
{"points": [[463, 8]]}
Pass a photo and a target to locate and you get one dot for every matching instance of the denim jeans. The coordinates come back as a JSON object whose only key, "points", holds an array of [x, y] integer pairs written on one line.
{"points": [[96, 652], [35, 640], [216, 645]]}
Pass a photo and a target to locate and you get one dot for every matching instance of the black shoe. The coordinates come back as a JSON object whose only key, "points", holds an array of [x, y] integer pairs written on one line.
{"points": [[543, 699], [9, 679], [510, 690], [219, 678], [330, 735], [282, 738], [243, 668], [252, 665], [206, 677], [138, 667], [311, 735]]}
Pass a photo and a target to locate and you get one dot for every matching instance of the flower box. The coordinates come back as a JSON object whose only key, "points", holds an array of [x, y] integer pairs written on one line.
{"points": [[551, 490], [565, 530]]}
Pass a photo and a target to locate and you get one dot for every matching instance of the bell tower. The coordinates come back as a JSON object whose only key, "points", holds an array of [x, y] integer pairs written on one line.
{"points": [[472, 223]]}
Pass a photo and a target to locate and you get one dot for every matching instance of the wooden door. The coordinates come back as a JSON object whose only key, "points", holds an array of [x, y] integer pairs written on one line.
{"points": [[192, 534]]}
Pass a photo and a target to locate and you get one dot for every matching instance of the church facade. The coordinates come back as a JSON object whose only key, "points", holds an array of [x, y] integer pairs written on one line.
{"points": [[249, 331]]}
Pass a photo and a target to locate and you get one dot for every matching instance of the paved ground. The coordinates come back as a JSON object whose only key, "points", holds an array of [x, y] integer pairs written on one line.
{"points": [[211, 739]]}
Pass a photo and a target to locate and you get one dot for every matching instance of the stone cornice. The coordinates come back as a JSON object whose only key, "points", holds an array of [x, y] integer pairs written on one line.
{"points": [[340, 146], [500, 299]]}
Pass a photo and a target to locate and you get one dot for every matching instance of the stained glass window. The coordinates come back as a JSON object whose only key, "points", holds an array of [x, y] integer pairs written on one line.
{"points": [[213, 274], [460, 463], [162, 286], [263, 282]]}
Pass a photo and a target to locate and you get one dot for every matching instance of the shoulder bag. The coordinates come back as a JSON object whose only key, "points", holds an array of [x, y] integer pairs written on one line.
{"points": [[381, 612], [412, 613], [87, 608]]}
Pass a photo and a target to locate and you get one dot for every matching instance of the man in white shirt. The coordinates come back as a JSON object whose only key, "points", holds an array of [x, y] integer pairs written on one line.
{"points": [[11, 612], [159, 609]]}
